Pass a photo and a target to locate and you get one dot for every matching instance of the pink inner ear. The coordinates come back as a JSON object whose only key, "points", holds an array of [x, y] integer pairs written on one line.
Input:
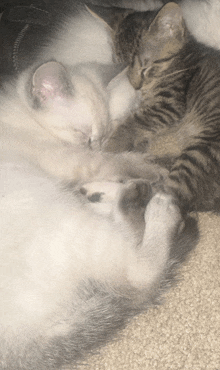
{"points": [[50, 81]]}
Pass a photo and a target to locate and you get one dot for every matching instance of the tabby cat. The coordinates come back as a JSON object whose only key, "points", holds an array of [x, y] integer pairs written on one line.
{"points": [[177, 118]]}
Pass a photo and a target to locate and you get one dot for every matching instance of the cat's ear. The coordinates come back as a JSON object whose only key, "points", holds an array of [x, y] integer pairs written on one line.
{"points": [[101, 13], [169, 26], [111, 16], [49, 82]]}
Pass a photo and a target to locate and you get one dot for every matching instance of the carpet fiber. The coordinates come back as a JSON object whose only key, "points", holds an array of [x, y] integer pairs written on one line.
{"points": [[183, 333]]}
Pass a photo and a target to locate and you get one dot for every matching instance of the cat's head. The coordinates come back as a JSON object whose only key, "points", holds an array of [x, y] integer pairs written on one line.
{"points": [[146, 41], [158, 44], [69, 103]]}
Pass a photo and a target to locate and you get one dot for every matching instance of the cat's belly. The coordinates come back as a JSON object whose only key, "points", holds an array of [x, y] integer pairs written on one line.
{"points": [[49, 243], [172, 141]]}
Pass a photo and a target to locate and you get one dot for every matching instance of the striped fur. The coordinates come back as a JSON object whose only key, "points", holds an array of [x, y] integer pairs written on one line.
{"points": [[179, 113]]}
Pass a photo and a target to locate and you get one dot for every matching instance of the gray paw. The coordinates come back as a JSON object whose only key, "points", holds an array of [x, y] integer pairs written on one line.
{"points": [[135, 195]]}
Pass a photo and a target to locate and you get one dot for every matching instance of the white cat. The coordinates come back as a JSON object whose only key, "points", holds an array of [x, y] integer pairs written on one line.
{"points": [[70, 276]]}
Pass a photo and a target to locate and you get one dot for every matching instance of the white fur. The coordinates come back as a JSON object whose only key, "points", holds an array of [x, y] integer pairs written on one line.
{"points": [[84, 39], [123, 99], [202, 19], [51, 238]]}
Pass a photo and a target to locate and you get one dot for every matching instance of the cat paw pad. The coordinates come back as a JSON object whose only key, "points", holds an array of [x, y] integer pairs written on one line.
{"points": [[92, 197], [100, 192]]}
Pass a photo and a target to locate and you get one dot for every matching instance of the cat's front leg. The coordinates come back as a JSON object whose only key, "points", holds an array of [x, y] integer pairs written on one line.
{"points": [[156, 221], [163, 222]]}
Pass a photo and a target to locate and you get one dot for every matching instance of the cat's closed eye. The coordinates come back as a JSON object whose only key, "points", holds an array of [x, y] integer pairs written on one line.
{"points": [[150, 71], [144, 72]]}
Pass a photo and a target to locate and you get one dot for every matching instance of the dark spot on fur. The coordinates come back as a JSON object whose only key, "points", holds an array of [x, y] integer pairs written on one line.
{"points": [[83, 191], [95, 197]]}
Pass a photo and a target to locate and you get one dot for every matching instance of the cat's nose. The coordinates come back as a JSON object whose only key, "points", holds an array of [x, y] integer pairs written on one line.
{"points": [[135, 79]]}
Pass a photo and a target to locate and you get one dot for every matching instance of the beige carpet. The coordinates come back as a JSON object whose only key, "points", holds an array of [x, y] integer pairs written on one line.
{"points": [[184, 333]]}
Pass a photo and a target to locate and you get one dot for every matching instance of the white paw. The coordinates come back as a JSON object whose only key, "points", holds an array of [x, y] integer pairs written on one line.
{"points": [[163, 219], [101, 192], [102, 196], [162, 212]]}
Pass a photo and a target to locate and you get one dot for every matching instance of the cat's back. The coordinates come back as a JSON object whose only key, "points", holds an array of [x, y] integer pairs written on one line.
{"points": [[202, 69]]}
